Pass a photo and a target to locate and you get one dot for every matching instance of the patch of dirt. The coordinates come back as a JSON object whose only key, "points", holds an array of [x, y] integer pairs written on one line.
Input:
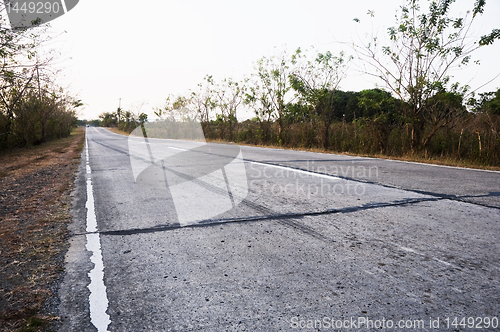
{"points": [[35, 202]]}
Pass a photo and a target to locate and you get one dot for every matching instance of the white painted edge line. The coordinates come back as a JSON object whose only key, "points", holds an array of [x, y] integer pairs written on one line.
{"points": [[435, 165], [107, 131], [300, 171], [171, 147], [98, 300]]}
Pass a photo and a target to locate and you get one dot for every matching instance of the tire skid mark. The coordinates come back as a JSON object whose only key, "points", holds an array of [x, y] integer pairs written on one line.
{"points": [[286, 216]]}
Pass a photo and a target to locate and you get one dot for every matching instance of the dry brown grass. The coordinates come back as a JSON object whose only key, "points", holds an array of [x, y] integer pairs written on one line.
{"points": [[411, 158], [35, 203], [117, 131], [444, 161]]}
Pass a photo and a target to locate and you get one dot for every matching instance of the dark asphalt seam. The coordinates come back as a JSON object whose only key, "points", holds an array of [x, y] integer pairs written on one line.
{"points": [[278, 217]]}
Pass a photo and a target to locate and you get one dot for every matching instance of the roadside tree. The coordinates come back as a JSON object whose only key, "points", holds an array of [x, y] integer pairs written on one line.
{"points": [[273, 79], [423, 48], [317, 83]]}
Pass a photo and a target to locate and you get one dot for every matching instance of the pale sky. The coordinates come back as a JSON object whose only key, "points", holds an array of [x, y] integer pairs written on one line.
{"points": [[143, 51]]}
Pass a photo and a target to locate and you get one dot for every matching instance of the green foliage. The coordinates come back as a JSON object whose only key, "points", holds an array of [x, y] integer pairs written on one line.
{"points": [[272, 87], [108, 119], [204, 100], [32, 108], [37, 117], [374, 124], [93, 123], [490, 38], [316, 83], [376, 101], [124, 120], [143, 118], [489, 103], [415, 65]]}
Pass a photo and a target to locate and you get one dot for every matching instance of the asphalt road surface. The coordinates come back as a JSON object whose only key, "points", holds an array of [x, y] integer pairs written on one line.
{"points": [[183, 236]]}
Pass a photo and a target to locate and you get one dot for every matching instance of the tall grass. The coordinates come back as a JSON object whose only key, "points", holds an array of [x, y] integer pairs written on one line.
{"points": [[474, 140]]}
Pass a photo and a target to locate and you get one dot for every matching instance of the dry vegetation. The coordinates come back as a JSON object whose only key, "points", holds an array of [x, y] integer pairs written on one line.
{"points": [[118, 131], [420, 158], [35, 202]]}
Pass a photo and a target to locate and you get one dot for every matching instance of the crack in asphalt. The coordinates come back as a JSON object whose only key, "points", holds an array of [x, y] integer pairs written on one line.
{"points": [[288, 219]]}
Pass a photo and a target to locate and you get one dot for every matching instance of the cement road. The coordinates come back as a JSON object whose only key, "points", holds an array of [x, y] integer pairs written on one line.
{"points": [[181, 236]]}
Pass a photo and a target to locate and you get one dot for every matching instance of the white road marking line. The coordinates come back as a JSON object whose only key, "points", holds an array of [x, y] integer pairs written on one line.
{"points": [[434, 258], [326, 176], [445, 263], [408, 249], [433, 165], [98, 299]]}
